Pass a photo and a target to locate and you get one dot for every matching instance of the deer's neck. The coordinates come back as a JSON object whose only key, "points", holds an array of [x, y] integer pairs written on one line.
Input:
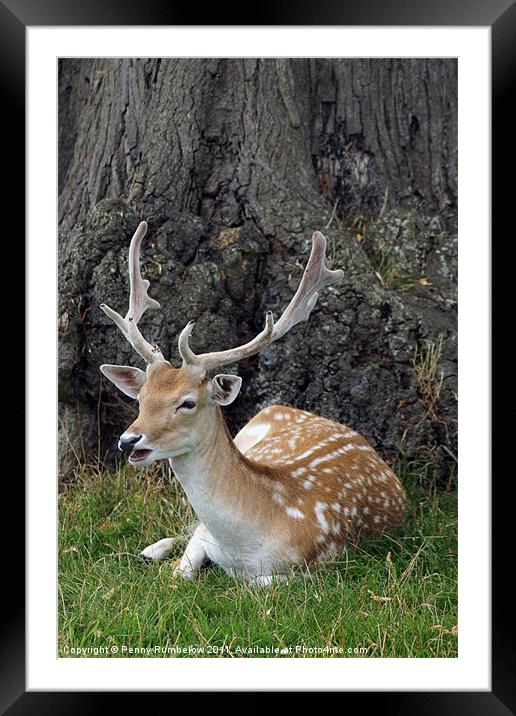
{"points": [[216, 477]]}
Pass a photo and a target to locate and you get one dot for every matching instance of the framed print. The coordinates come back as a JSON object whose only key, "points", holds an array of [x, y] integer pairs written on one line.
{"points": [[316, 169]]}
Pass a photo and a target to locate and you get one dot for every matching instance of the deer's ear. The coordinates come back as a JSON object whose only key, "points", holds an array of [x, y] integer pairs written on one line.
{"points": [[129, 380], [225, 388]]}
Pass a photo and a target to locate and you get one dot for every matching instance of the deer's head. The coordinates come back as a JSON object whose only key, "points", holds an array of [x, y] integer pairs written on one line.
{"points": [[177, 406]]}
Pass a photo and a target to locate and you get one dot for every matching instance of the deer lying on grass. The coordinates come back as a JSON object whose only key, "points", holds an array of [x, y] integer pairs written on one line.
{"points": [[291, 489]]}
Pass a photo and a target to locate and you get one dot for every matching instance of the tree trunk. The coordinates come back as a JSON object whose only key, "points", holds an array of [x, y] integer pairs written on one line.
{"points": [[234, 163]]}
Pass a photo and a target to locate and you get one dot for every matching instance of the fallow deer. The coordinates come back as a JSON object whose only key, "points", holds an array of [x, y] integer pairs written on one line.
{"points": [[290, 489]]}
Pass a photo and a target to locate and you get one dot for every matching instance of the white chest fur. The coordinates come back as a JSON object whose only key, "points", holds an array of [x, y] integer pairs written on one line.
{"points": [[237, 546]]}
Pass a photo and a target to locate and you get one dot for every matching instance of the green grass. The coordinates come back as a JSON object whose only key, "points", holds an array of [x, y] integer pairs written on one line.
{"points": [[395, 596]]}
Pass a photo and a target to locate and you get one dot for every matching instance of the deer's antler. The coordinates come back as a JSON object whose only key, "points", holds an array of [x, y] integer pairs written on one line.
{"points": [[139, 302], [315, 277]]}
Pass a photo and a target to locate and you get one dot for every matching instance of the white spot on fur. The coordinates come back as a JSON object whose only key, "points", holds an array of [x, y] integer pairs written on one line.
{"points": [[345, 448], [258, 430], [295, 513], [331, 455], [319, 512], [251, 435], [276, 451], [281, 416], [306, 453]]}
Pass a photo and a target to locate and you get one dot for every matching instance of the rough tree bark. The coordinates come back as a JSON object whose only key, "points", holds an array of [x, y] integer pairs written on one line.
{"points": [[234, 163]]}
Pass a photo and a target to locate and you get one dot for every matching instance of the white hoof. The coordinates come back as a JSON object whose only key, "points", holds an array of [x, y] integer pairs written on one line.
{"points": [[184, 573], [159, 550]]}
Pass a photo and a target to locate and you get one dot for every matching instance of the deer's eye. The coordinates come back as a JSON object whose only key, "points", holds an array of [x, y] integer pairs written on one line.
{"points": [[188, 404]]}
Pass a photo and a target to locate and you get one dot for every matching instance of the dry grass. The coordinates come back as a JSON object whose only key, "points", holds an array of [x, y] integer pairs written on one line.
{"points": [[429, 378]]}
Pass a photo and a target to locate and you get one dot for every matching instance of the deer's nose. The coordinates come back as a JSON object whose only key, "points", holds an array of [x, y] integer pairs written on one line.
{"points": [[127, 442]]}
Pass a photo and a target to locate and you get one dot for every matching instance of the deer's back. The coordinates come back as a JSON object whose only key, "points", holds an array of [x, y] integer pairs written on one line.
{"points": [[325, 475]]}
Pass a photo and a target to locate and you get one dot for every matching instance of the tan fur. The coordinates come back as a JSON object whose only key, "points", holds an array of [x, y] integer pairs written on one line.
{"points": [[355, 490], [290, 488], [311, 482]]}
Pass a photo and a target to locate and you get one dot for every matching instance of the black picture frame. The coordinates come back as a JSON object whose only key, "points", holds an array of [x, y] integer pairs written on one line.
{"points": [[500, 15]]}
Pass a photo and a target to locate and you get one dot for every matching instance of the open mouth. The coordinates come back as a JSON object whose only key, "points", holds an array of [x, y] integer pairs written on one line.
{"points": [[139, 455]]}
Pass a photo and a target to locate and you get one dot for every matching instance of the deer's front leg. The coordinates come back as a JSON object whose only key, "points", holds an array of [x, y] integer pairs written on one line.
{"points": [[159, 550], [194, 556]]}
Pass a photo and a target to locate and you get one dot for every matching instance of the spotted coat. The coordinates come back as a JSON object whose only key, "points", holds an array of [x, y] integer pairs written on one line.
{"points": [[331, 485]]}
